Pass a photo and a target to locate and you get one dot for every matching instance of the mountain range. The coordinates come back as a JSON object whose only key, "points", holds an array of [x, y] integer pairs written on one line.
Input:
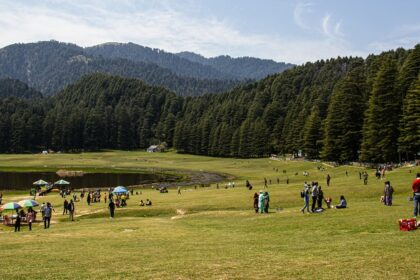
{"points": [[50, 66]]}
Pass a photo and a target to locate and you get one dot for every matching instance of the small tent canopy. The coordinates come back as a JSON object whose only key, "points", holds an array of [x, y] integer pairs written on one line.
{"points": [[120, 189], [40, 183], [62, 182]]}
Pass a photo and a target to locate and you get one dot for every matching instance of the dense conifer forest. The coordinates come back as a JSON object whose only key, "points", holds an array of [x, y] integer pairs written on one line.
{"points": [[342, 109]]}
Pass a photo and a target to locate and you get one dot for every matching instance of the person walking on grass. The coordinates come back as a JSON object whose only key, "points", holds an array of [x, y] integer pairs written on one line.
{"points": [[47, 215], [88, 199], [416, 195], [266, 202], [314, 195], [328, 180], [65, 206], [18, 221], [261, 202], [320, 198], [71, 210], [256, 202], [305, 195], [111, 207], [388, 191], [30, 217], [179, 190]]}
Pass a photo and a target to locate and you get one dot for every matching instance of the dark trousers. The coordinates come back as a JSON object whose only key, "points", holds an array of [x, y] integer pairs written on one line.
{"points": [[111, 212], [313, 203], [30, 225], [47, 221], [416, 199], [319, 203], [17, 226]]}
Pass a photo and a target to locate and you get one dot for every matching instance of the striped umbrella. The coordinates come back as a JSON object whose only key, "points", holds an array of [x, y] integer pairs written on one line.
{"points": [[10, 206], [28, 203]]}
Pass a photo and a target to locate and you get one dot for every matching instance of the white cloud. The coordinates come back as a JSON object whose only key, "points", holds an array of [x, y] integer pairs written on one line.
{"points": [[160, 24], [301, 11]]}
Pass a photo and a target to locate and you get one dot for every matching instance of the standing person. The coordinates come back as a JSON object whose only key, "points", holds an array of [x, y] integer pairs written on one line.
{"points": [[179, 190], [1, 197], [42, 209], [305, 196], [261, 202], [416, 195], [65, 206], [388, 191], [360, 175], [365, 178], [88, 199], [278, 180], [30, 217], [256, 202], [17, 221], [71, 210], [105, 196], [111, 207], [266, 202], [47, 215], [328, 180], [265, 182], [314, 195], [320, 197]]}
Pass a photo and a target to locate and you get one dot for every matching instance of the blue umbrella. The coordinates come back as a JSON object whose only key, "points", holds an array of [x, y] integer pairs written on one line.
{"points": [[120, 189]]}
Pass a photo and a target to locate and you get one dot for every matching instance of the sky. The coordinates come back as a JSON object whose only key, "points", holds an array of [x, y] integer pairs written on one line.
{"points": [[294, 31]]}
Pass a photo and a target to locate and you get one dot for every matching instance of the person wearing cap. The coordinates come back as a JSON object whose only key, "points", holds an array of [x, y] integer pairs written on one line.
{"points": [[416, 194]]}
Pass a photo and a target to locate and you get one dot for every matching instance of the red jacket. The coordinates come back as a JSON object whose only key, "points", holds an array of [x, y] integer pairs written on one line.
{"points": [[416, 185]]}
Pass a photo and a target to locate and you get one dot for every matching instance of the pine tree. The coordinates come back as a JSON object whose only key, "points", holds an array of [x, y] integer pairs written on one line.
{"points": [[344, 121], [409, 140], [380, 130], [312, 134]]}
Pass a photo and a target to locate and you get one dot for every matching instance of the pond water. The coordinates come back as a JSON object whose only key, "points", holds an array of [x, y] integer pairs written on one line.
{"points": [[24, 180]]}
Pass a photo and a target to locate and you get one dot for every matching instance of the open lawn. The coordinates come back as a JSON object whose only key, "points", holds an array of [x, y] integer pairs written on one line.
{"points": [[210, 233]]}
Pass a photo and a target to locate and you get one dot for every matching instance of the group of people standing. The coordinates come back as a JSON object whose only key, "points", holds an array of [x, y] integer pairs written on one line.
{"points": [[261, 202], [68, 208]]}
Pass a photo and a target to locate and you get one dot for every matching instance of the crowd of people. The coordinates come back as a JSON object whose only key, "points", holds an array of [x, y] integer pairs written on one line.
{"points": [[312, 195]]}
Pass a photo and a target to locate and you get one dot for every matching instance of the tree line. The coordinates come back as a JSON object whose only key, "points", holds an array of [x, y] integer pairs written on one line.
{"points": [[343, 109]]}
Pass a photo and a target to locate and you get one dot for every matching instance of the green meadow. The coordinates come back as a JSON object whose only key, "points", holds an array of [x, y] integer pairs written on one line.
{"points": [[211, 233]]}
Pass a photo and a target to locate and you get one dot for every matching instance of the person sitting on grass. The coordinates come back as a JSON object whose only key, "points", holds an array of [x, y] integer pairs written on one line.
{"points": [[148, 202], [343, 203], [141, 203], [328, 201]]}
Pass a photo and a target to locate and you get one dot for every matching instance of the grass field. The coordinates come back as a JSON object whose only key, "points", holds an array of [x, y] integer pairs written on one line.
{"points": [[209, 233]]}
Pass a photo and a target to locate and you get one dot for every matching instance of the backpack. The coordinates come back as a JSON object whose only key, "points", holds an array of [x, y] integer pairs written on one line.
{"points": [[302, 194]]}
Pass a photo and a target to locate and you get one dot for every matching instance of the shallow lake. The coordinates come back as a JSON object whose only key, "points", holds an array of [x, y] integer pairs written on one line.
{"points": [[24, 180]]}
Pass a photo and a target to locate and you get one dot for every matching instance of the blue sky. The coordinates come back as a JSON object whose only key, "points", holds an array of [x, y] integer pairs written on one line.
{"points": [[293, 31]]}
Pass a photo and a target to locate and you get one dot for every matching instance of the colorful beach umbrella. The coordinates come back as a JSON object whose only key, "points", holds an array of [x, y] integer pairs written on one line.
{"points": [[62, 182], [10, 206], [40, 183], [28, 203]]}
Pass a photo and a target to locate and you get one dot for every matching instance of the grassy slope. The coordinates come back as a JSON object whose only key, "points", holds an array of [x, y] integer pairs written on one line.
{"points": [[219, 236]]}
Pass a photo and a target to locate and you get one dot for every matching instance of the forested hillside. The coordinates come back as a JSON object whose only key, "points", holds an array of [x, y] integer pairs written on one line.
{"points": [[240, 67], [16, 88], [176, 64], [189, 64], [50, 66], [341, 109]]}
